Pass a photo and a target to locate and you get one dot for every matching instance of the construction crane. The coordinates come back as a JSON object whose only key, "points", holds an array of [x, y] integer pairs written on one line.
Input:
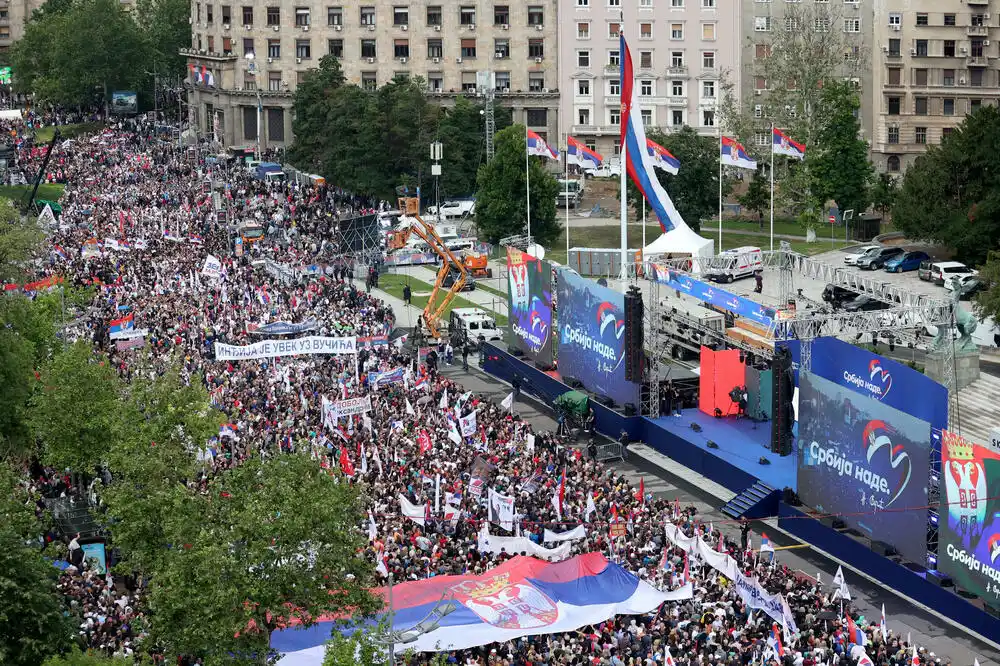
{"points": [[449, 262]]}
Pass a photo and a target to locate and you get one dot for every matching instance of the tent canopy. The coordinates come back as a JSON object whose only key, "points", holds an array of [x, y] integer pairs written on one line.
{"points": [[679, 241]]}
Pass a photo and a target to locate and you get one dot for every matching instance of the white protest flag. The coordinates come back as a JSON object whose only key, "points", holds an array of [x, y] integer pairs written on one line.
{"points": [[468, 425], [444, 400], [557, 504], [381, 568], [591, 508], [437, 493], [508, 402], [841, 592], [212, 267], [372, 529], [367, 421], [976, 662], [378, 462], [364, 460], [883, 628], [530, 442], [409, 408]]}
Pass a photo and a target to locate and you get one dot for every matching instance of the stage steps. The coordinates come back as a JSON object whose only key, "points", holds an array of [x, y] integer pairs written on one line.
{"points": [[758, 501]]}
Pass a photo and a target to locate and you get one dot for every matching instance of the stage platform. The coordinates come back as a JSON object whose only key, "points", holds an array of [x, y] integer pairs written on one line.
{"points": [[735, 464]]}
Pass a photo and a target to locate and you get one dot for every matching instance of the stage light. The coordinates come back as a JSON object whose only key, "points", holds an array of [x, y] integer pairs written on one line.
{"points": [[932, 560], [933, 517], [858, 336]]}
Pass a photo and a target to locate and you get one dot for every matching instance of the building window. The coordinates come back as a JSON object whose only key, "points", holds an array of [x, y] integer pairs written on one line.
{"points": [[273, 16], [536, 48], [676, 31], [302, 16], [677, 4], [248, 16], [948, 77], [615, 87], [401, 48], [435, 81], [708, 32], [761, 51], [974, 105], [921, 45], [583, 88], [536, 82], [582, 3], [274, 81], [434, 15], [645, 31], [614, 117], [760, 83], [367, 15], [708, 4], [708, 60], [274, 48], [614, 30], [920, 77], [501, 15], [501, 81], [434, 48], [852, 25], [893, 135], [227, 14], [894, 45], [948, 106], [537, 117], [645, 59], [208, 14], [708, 89], [677, 88], [583, 30], [468, 48], [248, 47], [368, 48], [677, 59], [303, 49], [501, 48], [536, 15], [922, 19], [335, 47], [646, 88], [895, 77], [821, 24], [400, 16], [591, 144], [976, 78], [583, 116], [583, 58], [369, 81], [647, 117], [614, 3], [334, 16], [920, 106], [227, 46], [892, 164], [617, 147], [676, 117], [945, 133], [762, 24], [708, 118], [249, 81], [613, 59], [895, 19], [467, 15], [949, 19], [949, 48], [894, 105], [920, 134]]}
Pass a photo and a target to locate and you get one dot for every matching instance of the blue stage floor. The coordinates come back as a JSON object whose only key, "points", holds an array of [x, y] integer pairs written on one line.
{"points": [[740, 444]]}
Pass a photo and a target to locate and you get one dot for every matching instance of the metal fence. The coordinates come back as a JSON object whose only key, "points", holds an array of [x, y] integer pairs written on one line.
{"points": [[612, 451]]}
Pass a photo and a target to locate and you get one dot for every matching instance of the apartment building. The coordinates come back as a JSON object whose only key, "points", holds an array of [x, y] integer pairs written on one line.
{"points": [[458, 47], [934, 62], [679, 50], [14, 14], [848, 23]]}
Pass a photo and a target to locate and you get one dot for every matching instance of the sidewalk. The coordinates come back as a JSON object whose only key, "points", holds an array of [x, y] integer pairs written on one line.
{"points": [[480, 297]]}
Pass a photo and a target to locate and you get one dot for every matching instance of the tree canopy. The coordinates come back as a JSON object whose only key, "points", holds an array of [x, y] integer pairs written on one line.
{"points": [[838, 164], [382, 137], [501, 194]]}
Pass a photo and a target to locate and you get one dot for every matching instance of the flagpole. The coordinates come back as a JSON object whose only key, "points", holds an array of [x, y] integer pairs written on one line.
{"points": [[623, 159], [642, 252], [720, 188], [567, 196], [772, 187], [527, 178]]}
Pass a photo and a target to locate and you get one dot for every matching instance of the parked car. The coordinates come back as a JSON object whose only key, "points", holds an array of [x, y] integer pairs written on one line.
{"points": [[452, 276], [943, 271], [924, 271], [456, 208], [875, 260], [741, 262], [851, 259], [968, 285], [908, 261], [865, 303], [837, 296]]}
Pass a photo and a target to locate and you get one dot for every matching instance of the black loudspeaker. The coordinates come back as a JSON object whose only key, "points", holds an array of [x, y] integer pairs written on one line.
{"points": [[764, 461], [514, 351], [712, 445], [606, 401], [695, 427], [630, 409], [634, 335], [939, 579], [781, 400], [789, 497], [882, 548]]}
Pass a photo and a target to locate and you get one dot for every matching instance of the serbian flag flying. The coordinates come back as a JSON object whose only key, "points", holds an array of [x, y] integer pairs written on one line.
{"points": [[524, 596], [782, 144], [640, 495], [538, 147], [854, 634], [735, 155], [121, 325], [562, 489], [765, 543], [580, 155], [424, 442], [662, 158], [774, 640], [346, 466]]}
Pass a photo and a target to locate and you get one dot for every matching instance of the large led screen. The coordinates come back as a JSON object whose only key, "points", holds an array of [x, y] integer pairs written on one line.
{"points": [[592, 337], [529, 288], [969, 520], [864, 462]]}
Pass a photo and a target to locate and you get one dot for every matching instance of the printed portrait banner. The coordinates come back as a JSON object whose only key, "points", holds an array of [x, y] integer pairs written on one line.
{"points": [[396, 376], [707, 293], [865, 460], [468, 425], [501, 510], [529, 289], [311, 345], [969, 526], [592, 337]]}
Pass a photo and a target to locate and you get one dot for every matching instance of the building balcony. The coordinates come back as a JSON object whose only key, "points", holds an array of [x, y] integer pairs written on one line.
{"points": [[977, 30], [893, 85], [978, 3], [612, 69], [596, 130], [207, 55], [677, 71], [976, 61]]}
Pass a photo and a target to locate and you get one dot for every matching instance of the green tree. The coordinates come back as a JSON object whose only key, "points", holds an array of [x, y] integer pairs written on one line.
{"points": [[312, 106], [74, 407], [34, 622], [462, 131], [884, 192], [77, 658], [951, 194], [695, 188], [988, 302], [166, 26], [501, 201], [60, 63], [757, 198], [839, 164], [269, 541]]}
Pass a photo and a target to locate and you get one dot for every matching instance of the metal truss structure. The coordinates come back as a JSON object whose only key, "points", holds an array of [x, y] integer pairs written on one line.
{"points": [[360, 237], [520, 241]]}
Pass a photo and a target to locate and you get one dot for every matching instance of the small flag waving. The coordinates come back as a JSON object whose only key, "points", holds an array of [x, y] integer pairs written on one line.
{"points": [[765, 543], [667, 659], [782, 144], [640, 496], [662, 158], [591, 508], [538, 147], [508, 402], [580, 155], [735, 155], [774, 641], [838, 580], [883, 628]]}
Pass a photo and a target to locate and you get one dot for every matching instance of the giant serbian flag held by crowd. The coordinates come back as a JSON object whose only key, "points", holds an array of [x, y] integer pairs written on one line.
{"points": [[522, 597]]}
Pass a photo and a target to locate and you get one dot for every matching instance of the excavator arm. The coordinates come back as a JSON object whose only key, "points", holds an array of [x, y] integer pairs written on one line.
{"points": [[432, 314]]}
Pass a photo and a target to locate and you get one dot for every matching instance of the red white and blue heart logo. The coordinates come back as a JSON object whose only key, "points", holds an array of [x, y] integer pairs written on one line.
{"points": [[880, 378], [877, 435]]}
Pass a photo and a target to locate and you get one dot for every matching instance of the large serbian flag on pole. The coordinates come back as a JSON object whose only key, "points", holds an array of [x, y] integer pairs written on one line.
{"points": [[522, 597], [782, 144]]}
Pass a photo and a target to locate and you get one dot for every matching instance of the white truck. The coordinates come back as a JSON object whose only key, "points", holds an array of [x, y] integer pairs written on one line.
{"points": [[475, 323]]}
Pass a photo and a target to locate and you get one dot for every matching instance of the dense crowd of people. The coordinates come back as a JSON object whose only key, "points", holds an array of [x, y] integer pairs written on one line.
{"points": [[138, 222]]}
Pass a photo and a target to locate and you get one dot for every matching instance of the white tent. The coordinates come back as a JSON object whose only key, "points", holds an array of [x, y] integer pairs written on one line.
{"points": [[679, 241]]}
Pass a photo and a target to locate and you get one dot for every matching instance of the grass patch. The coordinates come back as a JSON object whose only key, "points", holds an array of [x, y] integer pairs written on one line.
{"points": [[782, 225], [48, 191], [481, 284], [392, 284], [45, 134]]}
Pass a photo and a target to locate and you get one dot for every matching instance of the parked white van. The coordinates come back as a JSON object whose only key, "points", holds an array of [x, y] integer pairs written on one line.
{"points": [[742, 262]]}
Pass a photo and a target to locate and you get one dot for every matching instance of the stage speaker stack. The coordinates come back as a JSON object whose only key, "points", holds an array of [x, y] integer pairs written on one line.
{"points": [[634, 335], [782, 391]]}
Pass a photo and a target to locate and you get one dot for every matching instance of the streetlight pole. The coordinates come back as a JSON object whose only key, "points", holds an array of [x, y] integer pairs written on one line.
{"points": [[252, 68], [437, 151]]}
